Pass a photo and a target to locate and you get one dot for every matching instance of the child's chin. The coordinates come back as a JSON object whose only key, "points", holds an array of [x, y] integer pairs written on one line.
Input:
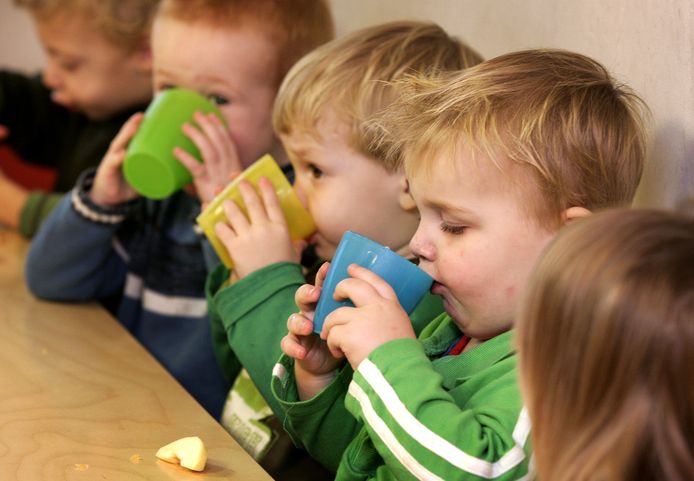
{"points": [[450, 310], [458, 323]]}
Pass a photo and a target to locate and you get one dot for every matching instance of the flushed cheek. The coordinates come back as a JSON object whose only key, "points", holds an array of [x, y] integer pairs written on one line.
{"points": [[329, 220], [459, 284]]}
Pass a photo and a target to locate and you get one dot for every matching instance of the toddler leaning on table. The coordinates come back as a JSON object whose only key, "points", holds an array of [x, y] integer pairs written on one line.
{"points": [[604, 345], [105, 240], [345, 185], [498, 158], [97, 74]]}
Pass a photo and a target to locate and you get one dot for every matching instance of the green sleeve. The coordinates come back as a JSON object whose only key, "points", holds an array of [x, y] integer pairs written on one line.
{"points": [[321, 425], [249, 319], [36, 209], [227, 360], [433, 420]]}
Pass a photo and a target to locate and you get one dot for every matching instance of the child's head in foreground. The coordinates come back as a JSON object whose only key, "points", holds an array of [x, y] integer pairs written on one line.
{"points": [[498, 158], [605, 341], [236, 52], [97, 51], [319, 115]]}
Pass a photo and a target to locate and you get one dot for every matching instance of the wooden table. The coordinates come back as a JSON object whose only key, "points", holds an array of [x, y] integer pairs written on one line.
{"points": [[80, 399]]}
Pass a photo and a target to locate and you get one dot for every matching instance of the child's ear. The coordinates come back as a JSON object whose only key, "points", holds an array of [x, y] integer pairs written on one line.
{"points": [[405, 198], [574, 213]]}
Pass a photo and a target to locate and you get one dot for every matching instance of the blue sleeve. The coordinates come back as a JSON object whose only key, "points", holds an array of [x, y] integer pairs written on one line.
{"points": [[73, 259]]}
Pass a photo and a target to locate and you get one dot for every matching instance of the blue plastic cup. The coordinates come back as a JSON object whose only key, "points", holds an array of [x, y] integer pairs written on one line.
{"points": [[409, 282]]}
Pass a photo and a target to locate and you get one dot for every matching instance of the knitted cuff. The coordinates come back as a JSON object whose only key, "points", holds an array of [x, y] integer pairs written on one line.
{"points": [[85, 207]]}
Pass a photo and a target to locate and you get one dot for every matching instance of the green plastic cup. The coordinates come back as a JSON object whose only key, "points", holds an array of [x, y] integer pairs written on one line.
{"points": [[150, 166]]}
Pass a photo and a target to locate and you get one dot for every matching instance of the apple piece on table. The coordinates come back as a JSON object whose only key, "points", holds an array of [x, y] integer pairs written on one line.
{"points": [[189, 452]]}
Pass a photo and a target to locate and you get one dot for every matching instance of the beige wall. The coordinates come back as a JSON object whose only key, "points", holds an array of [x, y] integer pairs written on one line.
{"points": [[18, 46], [648, 44]]}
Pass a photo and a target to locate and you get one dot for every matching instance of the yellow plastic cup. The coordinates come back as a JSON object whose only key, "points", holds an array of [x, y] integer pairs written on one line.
{"points": [[298, 218]]}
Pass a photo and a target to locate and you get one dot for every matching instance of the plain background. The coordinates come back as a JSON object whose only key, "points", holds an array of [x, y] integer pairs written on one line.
{"points": [[648, 44]]}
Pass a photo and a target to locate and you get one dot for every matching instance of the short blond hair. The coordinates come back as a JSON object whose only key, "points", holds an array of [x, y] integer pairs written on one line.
{"points": [[124, 23], [353, 75], [295, 26], [604, 338], [557, 114]]}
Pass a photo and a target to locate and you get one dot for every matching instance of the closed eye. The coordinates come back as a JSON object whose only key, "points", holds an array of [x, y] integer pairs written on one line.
{"points": [[71, 65], [453, 229]]}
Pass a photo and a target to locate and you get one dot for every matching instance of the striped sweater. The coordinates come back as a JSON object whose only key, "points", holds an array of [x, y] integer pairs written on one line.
{"points": [[416, 414]]}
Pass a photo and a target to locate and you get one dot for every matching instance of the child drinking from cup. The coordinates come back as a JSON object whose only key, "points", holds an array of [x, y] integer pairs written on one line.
{"points": [[345, 185], [604, 342], [97, 74], [498, 158], [104, 239]]}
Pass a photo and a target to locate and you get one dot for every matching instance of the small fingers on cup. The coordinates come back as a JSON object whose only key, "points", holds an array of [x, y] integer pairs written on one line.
{"points": [[271, 201], [225, 233], [255, 208], [212, 127], [292, 347], [356, 290], [332, 338], [306, 297], [127, 132], [203, 143], [299, 324], [321, 274], [219, 144], [237, 219], [381, 286], [195, 168], [224, 141]]}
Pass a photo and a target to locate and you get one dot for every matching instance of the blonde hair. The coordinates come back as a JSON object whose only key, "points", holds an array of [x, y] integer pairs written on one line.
{"points": [[605, 337], [295, 26], [124, 23], [557, 114], [353, 75]]}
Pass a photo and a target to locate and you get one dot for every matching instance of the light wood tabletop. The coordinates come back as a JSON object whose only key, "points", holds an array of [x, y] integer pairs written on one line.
{"points": [[81, 399]]}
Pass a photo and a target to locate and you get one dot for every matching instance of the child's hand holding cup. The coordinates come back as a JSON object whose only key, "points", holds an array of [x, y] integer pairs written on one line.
{"points": [[150, 166], [409, 282], [298, 218]]}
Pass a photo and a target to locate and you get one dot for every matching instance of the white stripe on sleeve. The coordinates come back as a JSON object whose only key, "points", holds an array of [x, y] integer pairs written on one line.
{"points": [[398, 450], [431, 440]]}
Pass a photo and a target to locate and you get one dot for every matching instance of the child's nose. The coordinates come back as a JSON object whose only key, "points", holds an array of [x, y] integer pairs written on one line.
{"points": [[421, 247]]}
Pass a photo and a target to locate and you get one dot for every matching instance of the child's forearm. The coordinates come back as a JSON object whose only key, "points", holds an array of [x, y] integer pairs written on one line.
{"points": [[308, 384]]}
